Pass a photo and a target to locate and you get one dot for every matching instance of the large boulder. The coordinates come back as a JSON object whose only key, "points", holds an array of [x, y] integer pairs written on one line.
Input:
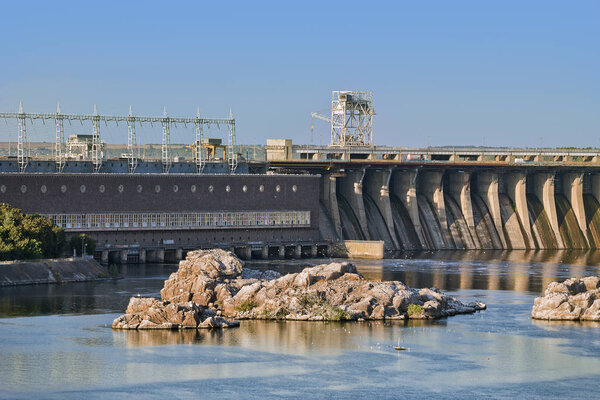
{"points": [[576, 299], [148, 313]]}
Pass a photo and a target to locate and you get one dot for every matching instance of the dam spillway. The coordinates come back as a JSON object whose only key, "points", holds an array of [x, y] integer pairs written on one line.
{"points": [[450, 206]]}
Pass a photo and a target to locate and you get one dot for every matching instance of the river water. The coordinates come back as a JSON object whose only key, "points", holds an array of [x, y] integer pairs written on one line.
{"points": [[56, 341]]}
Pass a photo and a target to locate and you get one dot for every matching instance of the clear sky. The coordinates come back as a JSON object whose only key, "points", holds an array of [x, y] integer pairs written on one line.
{"points": [[507, 73]]}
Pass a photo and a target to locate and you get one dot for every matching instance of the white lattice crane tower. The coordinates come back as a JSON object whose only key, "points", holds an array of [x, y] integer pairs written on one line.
{"points": [[351, 118]]}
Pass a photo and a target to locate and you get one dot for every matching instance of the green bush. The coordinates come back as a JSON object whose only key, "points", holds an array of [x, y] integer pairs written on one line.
{"points": [[113, 271], [415, 309], [78, 242], [24, 236], [281, 313], [307, 301], [245, 306]]}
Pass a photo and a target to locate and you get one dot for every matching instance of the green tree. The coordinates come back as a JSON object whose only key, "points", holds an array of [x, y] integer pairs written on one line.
{"points": [[24, 236], [78, 242]]}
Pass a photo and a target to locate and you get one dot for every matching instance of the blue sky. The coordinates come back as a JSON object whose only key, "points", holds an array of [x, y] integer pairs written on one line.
{"points": [[507, 73]]}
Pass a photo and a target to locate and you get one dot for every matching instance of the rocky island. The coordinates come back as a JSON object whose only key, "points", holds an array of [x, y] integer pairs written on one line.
{"points": [[576, 299], [212, 285]]}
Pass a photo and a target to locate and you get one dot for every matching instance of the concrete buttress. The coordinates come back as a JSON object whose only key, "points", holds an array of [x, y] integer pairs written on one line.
{"points": [[487, 186], [331, 203], [430, 185], [404, 187], [516, 190], [377, 184], [459, 188], [595, 178], [572, 186], [543, 184], [351, 187]]}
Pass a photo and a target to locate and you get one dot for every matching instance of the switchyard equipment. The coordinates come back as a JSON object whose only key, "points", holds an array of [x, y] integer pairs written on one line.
{"points": [[165, 120], [351, 118]]}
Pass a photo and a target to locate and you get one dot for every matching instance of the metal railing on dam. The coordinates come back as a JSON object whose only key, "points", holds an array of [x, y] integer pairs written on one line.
{"points": [[457, 205], [445, 153]]}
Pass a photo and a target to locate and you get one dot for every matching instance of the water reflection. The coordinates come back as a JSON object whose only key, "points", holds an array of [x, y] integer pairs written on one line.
{"points": [[292, 337], [515, 270], [85, 297], [463, 356]]}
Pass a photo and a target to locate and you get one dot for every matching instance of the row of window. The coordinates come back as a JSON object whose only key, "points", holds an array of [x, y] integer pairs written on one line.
{"points": [[203, 220], [140, 188]]}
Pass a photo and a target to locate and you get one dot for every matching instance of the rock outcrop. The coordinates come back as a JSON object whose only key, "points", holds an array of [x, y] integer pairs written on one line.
{"points": [[213, 283], [576, 299], [149, 313]]}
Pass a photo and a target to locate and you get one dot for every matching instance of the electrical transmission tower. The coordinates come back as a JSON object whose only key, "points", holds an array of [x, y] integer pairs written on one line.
{"points": [[59, 154], [96, 156], [200, 162], [22, 158], [351, 118], [166, 141], [132, 157], [231, 154]]}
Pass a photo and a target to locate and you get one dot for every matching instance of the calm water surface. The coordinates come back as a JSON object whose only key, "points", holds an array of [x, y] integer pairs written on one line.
{"points": [[56, 341]]}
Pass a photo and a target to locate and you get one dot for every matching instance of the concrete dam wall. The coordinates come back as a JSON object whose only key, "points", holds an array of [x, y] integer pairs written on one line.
{"points": [[442, 208]]}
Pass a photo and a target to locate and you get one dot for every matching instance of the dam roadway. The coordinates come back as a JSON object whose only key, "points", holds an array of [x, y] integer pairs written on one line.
{"points": [[453, 204]]}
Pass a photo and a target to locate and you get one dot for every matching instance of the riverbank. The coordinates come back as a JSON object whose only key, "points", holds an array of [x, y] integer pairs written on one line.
{"points": [[46, 271]]}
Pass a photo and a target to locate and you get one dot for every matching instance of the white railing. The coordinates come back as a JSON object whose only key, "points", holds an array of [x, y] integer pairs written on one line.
{"points": [[185, 220]]}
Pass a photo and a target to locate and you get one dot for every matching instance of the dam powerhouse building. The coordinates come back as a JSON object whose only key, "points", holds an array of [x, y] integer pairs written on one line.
{"points": [[302, 200]]}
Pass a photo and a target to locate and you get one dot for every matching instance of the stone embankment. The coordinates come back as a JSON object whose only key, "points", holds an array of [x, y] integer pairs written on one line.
{"points": [[576, 299], [59, 270], [212, 284]]}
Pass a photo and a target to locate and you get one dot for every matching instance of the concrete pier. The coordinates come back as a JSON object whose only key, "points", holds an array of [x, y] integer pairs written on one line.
{"points": [[160, 256], [265, 252], [281, 252], [313, 251], [123, 254]]}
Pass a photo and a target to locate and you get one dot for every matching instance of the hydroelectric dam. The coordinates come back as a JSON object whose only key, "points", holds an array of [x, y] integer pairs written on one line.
{"points": [[457, 205], [297, 200]]}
